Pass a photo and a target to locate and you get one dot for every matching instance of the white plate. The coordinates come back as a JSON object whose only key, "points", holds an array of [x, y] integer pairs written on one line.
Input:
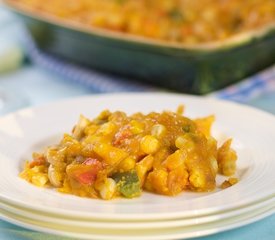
{"points": [[28, 130], [115, 225], [146, 234]]}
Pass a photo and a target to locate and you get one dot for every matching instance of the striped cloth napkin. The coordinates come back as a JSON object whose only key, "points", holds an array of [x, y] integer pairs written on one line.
{"points": [[249, 88]]}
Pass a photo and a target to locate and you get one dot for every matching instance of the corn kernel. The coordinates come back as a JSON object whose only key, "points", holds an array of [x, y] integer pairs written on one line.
{"points": [[136, 127], [183, 142], [197, 179], [158, 130], [107, 128], [104, 115], [54, 177], [107, 189], [127, 164], [214, 164], [149, 144], [180, 141], [39, 179]]}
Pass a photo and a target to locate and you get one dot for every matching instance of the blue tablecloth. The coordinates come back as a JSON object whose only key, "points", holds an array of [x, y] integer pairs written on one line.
{"points": [[34, 86]]}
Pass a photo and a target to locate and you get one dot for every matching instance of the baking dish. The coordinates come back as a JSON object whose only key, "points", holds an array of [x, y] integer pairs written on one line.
{"points": [[195, 69]]}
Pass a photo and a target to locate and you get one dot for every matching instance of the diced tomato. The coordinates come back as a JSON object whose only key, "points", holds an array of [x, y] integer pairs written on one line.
{"points": [[87, 172], [86, 177]]}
